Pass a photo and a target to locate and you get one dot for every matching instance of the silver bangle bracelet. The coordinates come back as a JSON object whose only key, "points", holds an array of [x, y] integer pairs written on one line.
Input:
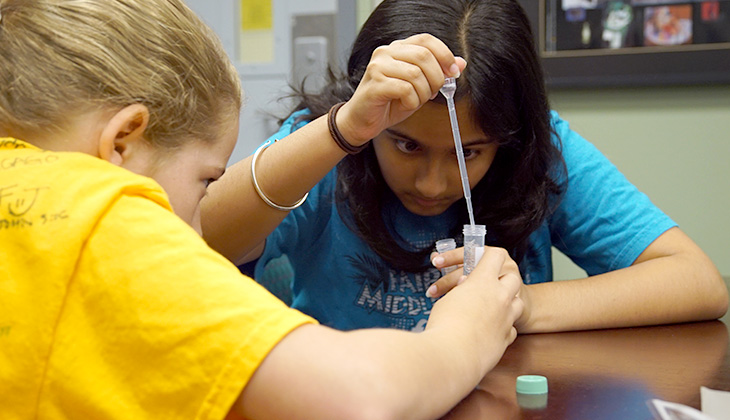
{"points": [[258, 189]]}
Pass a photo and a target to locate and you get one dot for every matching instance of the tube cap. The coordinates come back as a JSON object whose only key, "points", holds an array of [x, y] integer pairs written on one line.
{"points": [[532, 384], [532, 392]]}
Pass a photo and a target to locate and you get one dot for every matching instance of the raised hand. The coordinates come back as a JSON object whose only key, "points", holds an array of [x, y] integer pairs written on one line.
{"points": [[399, 79]]}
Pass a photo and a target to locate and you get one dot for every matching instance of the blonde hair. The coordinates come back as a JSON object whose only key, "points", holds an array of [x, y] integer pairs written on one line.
{"points": [[60, 57]]}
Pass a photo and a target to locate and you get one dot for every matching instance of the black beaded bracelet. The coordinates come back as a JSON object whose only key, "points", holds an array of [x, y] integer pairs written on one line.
{"points": [[335, 132]]}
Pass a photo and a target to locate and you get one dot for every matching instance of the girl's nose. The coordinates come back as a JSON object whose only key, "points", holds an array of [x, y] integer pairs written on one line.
{"points": [[431, 180]]}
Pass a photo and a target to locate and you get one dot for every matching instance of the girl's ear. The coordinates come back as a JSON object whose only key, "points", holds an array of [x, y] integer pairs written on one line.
{"points": [[123, 134]]}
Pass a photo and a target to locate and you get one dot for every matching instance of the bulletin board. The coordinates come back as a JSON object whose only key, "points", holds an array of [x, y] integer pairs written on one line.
{"points": [[591, 43]]}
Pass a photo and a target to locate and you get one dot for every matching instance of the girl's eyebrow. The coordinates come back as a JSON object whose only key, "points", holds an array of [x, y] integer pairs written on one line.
{"points": [[395, 133], [476, 142]]}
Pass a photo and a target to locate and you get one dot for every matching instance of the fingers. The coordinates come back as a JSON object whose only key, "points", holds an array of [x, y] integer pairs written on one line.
{"points": [[449, 64], [492, 264], [448, 258], [411, 70], [403, 73], [460, 64], [423, 61], [399, 78], [512, 335], [496, 266], [445, 283], [495, 263], [517, 307], [511, 281]]}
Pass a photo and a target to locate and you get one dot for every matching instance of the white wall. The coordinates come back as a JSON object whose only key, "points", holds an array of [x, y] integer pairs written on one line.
{"points": [[263, 83]]}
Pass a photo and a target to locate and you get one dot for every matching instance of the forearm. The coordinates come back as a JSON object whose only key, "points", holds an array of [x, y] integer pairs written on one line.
{"points": [[376, 373], [235, 219], [439, 369], [391, 374], [661, 287]]}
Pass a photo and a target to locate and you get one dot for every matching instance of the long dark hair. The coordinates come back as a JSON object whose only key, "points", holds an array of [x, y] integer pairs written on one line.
{"points": [[504, 83]]}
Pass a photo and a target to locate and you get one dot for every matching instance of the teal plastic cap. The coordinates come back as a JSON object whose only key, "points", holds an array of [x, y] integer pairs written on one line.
{"points": [[532, 384]]}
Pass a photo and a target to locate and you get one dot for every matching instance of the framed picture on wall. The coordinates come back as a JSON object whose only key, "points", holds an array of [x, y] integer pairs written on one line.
{"points": [[601, 43]]}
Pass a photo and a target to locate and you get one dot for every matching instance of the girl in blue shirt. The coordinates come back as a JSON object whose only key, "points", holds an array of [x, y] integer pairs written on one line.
{"points": [[360, 243]]}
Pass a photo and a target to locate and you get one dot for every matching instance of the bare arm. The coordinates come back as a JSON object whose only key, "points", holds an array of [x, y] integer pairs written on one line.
{"points": [[317, 372], [235, 220], [672, 281], [399, 79]]}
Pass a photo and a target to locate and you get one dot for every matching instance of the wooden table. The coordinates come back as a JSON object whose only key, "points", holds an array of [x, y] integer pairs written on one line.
{"points": [[605, 374]]}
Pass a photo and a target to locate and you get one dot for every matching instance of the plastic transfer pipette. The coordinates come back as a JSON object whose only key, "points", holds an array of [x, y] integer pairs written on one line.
{"points": [[448, 90]]}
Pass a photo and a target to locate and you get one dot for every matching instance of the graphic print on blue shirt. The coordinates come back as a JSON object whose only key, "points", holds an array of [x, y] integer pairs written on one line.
{"points": [[402, 298]]}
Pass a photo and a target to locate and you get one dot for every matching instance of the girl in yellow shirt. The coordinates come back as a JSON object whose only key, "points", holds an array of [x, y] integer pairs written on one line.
{"points": [[114, 114]]}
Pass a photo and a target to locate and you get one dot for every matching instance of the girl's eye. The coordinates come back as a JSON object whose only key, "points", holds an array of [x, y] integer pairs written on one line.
{"points": [[470, 154], [406, 146]]}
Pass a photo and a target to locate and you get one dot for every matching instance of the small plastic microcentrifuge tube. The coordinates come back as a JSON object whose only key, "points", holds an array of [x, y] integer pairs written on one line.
{"points": [[442, 246], [473, 246]]}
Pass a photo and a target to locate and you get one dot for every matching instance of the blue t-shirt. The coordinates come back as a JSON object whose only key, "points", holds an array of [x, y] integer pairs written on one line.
{"points": [[602, 223]]}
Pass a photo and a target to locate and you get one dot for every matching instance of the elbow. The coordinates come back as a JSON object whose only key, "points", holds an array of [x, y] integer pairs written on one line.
{"points": [[717, 299], [721, 300]]}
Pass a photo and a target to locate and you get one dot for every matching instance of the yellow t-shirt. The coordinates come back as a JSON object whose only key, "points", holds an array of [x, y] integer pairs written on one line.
{"points": [[113, 307]]}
